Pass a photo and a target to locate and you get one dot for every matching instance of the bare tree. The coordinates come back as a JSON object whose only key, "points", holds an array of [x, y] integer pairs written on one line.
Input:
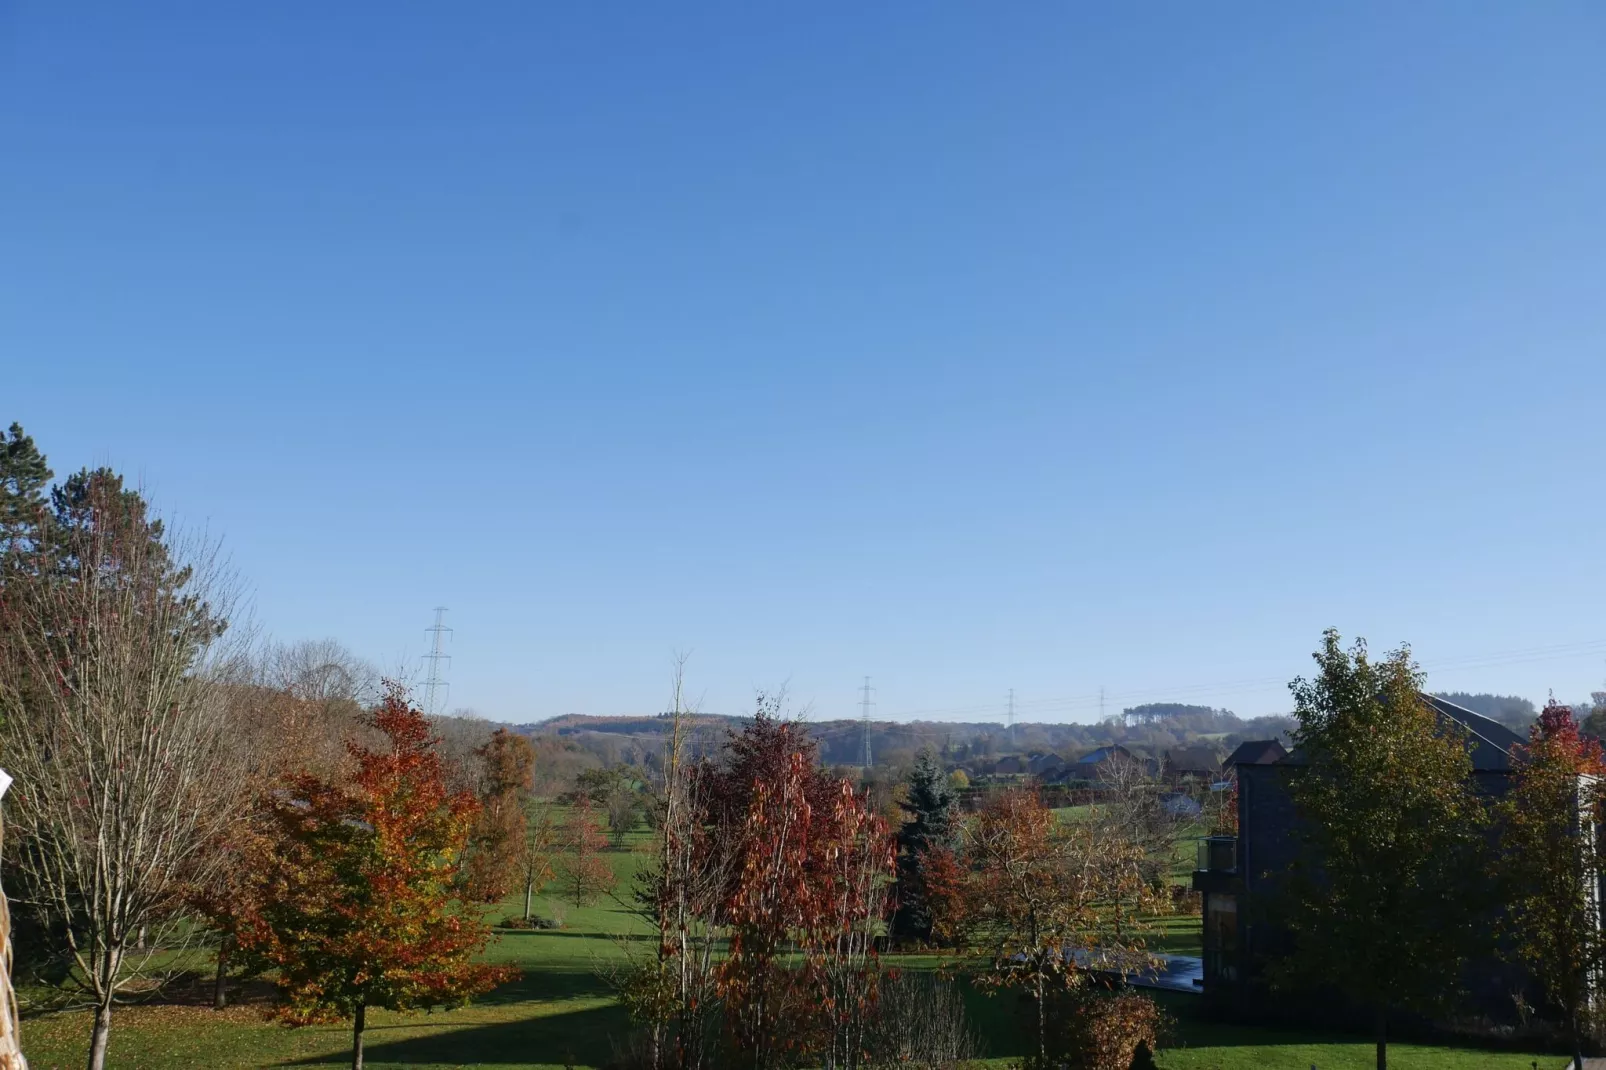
{"points": [[1131, 802], [114, 729], [676, 994], [320, 670], [11, 1057], [462, 735]]}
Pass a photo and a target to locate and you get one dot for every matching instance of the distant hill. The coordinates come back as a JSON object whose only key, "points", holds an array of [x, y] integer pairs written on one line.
{"points": [[630, 725], [638, 739]]}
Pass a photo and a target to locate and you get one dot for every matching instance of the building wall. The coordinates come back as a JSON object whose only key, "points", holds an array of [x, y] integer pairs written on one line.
{"points": [[1268, 844]]}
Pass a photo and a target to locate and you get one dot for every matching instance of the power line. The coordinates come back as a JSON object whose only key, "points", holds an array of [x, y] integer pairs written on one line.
{"points": [[436, 688], [1009, 729], [1097, 701]]}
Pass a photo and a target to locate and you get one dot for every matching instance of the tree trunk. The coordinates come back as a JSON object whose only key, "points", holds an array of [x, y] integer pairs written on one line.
{"points": [[1576, 1035], [99, 1038], [358, 1024], [1382, 1040], [220, 995], [529, 889], [1042, 1022]]}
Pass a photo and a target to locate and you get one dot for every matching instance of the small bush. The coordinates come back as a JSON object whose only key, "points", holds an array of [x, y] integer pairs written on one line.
{"points": [[1101, 1030], [535, 922], [919, 1021]]}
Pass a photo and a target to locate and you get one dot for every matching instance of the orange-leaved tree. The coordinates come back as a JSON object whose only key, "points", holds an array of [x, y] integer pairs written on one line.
{"points": [[536, 853], [942, 882], [356, 908], [496, 845], [1549, 866], [1057, 903]]}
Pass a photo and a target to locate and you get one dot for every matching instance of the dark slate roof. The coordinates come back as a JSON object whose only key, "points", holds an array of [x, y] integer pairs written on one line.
{"points": [[1102, 754], [1194, 757], [1491, 742], [1256, 752], [1044, 763]]}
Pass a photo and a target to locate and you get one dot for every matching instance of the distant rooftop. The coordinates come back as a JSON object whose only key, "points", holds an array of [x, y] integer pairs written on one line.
{"points": [[1256, 752]]}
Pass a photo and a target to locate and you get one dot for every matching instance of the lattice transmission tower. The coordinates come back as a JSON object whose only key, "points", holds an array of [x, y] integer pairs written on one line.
{"points": [[436, 688], [865, 702]]}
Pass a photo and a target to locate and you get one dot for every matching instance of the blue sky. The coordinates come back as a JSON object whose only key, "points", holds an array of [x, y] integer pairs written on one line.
{"points": [[1046, 346]]}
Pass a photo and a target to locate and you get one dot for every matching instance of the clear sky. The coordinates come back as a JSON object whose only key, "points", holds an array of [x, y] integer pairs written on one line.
{"points": [[1052, 346]]}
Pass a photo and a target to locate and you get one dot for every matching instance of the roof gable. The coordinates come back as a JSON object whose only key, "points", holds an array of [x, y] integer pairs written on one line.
{"points": [[1257, 752]]}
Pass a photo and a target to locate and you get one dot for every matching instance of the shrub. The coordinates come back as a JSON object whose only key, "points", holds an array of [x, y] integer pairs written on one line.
{"points": [[1185, 900], [919, 1021], [1100, 1030]]}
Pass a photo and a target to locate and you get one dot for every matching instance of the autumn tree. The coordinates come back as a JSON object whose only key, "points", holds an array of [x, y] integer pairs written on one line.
{"points": [[290, 709], [769, 1009], [497, 854], [1549, 867], [357, 909], [1378, 904], [855, 868], [682, 894], [1220, 810], [112, 725], [537, 852], [1055, 903], [230, 894], [764, 850], [944, 892], [584, 872], [1131, 800]]}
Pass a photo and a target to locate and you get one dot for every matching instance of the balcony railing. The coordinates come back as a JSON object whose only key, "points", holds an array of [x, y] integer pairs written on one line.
{"points": [[1218, 854]]}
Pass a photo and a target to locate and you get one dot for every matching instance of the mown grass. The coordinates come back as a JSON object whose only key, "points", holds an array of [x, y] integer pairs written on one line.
{"points": [[563, 1013]]}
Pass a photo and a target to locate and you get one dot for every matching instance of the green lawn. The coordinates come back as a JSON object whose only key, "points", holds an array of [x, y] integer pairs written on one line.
{"points": [[563, 1014]]}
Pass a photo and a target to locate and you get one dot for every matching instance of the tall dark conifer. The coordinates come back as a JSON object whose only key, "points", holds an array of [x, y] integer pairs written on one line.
{"points": [[931, 806], [24, 479]]}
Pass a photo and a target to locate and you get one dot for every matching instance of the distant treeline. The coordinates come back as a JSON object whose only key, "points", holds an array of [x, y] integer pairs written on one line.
{"points": [[1153, 730], [1150, 729]]}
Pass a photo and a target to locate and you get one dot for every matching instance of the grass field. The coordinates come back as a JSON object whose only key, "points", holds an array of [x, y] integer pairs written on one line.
{"points": [[562, 1014]]}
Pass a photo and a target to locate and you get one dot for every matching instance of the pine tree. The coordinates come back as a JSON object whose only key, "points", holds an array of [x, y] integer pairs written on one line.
{"points": [[931, 806], [24, 477]]}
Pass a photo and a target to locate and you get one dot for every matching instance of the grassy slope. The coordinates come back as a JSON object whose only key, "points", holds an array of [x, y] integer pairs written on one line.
{"points": [[562, 1013]]}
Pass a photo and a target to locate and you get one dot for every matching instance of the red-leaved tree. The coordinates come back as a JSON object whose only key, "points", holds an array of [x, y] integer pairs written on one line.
{"points": [[770, 1012], [808, 894], [794, 868], [585, 874], [356, 906], [942, 881]]}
